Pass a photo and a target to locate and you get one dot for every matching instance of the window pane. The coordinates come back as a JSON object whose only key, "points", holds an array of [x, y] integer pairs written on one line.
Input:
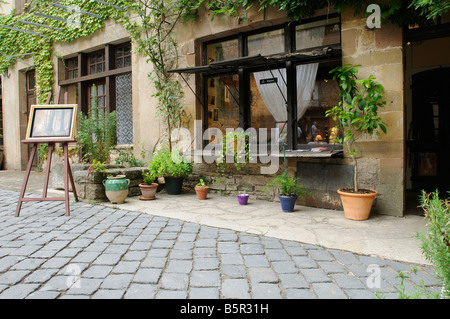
{"points": [[127, 61], [266, 43], [223, 102], [124, 109], [317, 34], [119, 63], [268, 103], [221, 51], [315, 127]]}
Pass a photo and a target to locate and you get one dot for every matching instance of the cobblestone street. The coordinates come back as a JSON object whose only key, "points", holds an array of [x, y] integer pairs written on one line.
{"points": [[102, 252]]}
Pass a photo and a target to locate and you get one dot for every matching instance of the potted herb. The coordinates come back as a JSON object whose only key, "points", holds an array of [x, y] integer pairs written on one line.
{"points": [[173, 167], [201, 189], [289, 190], [356, 115], [149, 186], [243, 196]]}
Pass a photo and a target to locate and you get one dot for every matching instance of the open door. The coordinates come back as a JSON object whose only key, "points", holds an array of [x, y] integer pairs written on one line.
{"points": [[429, 140]]}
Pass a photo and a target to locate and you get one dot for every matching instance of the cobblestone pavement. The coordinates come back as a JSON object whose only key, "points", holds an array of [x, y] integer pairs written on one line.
{"points": [[101, 252]]}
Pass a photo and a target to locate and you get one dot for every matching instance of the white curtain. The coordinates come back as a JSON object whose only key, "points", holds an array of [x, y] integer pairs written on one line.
{"points": [[274, 94]]}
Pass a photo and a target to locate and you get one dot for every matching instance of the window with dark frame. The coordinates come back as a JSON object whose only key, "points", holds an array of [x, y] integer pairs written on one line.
{"points": [[109, 70], [96, 62], [267, 88], [123, 56], [72, 68]]}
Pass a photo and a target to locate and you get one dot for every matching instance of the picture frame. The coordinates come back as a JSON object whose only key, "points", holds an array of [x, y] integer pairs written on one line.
{"points": [[52, 122]]}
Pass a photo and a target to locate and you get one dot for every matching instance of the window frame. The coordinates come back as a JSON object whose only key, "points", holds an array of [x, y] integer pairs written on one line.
{"points": [[244, 74]]}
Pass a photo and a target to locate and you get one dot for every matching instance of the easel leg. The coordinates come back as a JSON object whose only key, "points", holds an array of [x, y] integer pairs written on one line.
{"points": [[51, 146], [72, 182], [25, 180], [66, 176]]}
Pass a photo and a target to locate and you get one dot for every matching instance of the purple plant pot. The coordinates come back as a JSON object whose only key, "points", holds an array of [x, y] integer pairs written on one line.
{"points": [[243, 198]]}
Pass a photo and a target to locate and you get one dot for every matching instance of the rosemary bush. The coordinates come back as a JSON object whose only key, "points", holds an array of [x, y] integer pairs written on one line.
{"points": [[435, 241], [97, 133]]}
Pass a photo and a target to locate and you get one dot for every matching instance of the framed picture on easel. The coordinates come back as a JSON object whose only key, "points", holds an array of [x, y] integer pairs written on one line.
{"points": [[50, 122]]}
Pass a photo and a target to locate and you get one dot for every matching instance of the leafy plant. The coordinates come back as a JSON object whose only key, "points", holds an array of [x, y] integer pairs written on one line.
{"points": [[235, 149], [169, 164], [287, 186], [201, 184], [126, 157], [149, 178], [96, 166], [357, 111], [97, 132], [435, 242]]}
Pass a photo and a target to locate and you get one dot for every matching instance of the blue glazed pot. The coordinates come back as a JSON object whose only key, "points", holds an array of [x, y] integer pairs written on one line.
{"points": [[287, 203]]}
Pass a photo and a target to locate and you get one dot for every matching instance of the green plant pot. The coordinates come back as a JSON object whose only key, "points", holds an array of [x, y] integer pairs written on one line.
{"points": [[173, 185], [116, 188]]}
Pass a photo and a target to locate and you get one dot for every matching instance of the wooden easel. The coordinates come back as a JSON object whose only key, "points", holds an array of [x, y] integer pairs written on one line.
{"points": [[67, 169]]}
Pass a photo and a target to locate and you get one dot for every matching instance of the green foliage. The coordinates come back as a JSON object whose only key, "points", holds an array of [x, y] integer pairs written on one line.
{"points": [[127, 158], [235, 149], [431, 8], [96, 133], [149, 178], [357, 112], [420, 292], [287, 186], [435, 240], [42, 154], [168, 163], [201, 184]]}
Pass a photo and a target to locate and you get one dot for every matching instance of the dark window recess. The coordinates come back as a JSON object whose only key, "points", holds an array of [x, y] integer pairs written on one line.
{"points": [[71, 68], [123, 56], [99, 93], [96, 62]]}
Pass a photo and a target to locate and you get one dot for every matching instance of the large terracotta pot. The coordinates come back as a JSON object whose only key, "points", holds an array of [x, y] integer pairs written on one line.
{"points": [[357, 206]]}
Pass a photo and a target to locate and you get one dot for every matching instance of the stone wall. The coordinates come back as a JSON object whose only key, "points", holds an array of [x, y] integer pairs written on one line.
{"points": [[379, 51]]}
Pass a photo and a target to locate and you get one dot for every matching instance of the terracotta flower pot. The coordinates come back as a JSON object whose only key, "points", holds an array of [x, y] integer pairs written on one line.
{"points": [[201, 192], [148, 191], [357, 206]]}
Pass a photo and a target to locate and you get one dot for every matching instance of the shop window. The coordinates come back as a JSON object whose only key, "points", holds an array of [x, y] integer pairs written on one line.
{"points": [[317, 34], [222, 51], [266, 43], [256, 95], [223, 102]]}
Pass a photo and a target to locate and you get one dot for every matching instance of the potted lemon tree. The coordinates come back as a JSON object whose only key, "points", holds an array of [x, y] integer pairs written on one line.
{"points": [[356, 115]]}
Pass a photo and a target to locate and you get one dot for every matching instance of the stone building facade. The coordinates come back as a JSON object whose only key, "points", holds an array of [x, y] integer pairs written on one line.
{"points": [[394, 163]]}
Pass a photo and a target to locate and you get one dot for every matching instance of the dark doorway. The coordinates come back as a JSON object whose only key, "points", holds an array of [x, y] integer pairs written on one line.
{"points": [[429, 137]]}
